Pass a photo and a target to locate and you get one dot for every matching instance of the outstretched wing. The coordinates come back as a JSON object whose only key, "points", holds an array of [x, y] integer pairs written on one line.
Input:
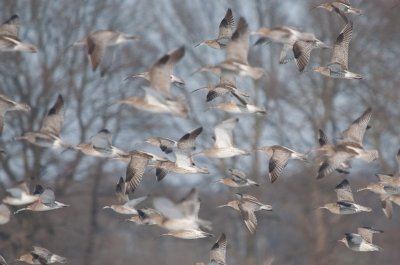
{"points": [[53, 122]]}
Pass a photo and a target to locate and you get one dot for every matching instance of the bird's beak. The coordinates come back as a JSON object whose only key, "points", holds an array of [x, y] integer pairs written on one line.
{"points": [[198, 89], [141, 142], [131, 77], [314, 7], [118, 102], [208, 109], [14, 139], [315, 149], [159, 236], [199, 44], [366, 188], [216, 181], [105, 207], [222, 206]]}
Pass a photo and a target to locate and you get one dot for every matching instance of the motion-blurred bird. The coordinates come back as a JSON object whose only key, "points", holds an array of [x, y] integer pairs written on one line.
{"points": [[6, 104], [350, 148], [157, 98], [101, 146], [184, 160], [345, 203], [361, 241], [282, 35], [49, 134], [20, 194], [236, 63], [247, 205], [180, 216], [338, 67], [101, 45], [146, 75], [341, 7], [5, 215], [224, 145], [233, 107], [226, 28], [41, 256], [46, 201], [127, 157], [237, 179], [9, 37], [218, 252], [280, 156], [166, 145], [126, 206]]}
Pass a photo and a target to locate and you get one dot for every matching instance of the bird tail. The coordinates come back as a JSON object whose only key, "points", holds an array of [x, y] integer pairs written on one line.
{"points": [[204, 170], [266, 207], [179, 107], [355, 11], [366, 209]]}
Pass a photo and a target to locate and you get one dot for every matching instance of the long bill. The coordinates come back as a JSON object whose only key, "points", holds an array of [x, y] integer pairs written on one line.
{"points": [[131, 77], [203, 43], [221, 206]]}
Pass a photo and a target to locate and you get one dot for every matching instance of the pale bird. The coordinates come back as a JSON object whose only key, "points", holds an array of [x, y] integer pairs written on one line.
{"points": [[341, 7], [224, 145], [236, 63], [338, 67], [345, 203], [237, 179], [184, 160], [46, 201], [49, 133], [9, 37], [101, 45], [361, 241], [6, 104], [166, 145], [100, 146], [127, 157], [5, 214], [247, 206], [146, 75], [157, 98], [180, 216], [41, 256], [218, 252], [232, 107], [282, 35], [350, 148], [126, 206], [280, 156], [20, 194], [226, 28]]}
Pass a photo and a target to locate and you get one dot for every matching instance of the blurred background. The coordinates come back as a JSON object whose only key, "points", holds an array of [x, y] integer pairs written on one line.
{"points": [[297, 106]]}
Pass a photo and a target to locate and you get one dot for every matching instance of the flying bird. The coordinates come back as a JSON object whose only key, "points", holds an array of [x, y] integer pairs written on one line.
{"points": [[126, 206], [350, 148], [237, 179], [49, 134], [20, 194], [361, 241], [41, 256], [280, 156], [146, 75], [338, 67], [247, 205], [101, 45], [345, 203], [226, 28], [218, 252], [340, 7]]}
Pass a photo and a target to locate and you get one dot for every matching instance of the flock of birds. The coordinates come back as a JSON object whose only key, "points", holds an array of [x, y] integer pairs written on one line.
{"points": [[181, 219]]}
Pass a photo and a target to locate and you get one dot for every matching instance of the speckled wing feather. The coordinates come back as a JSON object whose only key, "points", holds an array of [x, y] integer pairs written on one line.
{"points": [[97, 46], [343, 191], [341, 47], [356, 130], [166, 145], [160, 72], [277, 163], [323, 139], [227, 25], [120, 191], [40, 259], [218, 251], [367, 232], [345, 2], [53, 122], [249, 217], [187, 141], [302, 52], [10, 28], [332, 163], [135, 170], [238, 48]]}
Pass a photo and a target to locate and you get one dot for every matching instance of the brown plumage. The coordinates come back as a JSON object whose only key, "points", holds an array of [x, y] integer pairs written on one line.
{"points": [[6, 104], [9, 37]]}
